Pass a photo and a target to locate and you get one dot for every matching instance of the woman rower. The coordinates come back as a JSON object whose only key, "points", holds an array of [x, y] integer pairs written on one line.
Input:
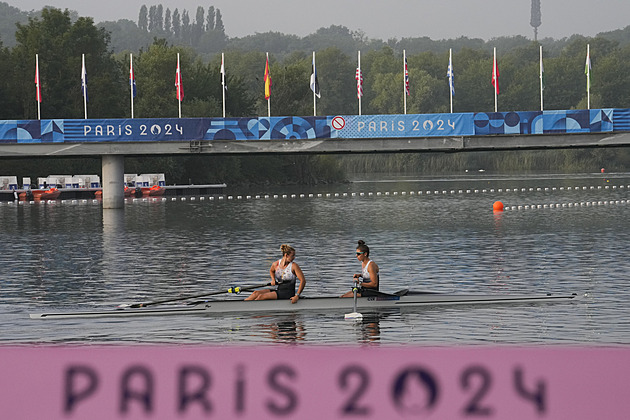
{"points": [[284, 274], [368, 275]]}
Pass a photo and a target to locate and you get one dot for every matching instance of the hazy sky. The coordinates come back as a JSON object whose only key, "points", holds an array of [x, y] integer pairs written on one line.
{"points": [[382, 19]]}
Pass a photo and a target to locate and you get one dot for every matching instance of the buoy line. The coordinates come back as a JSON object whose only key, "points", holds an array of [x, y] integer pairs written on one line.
{"points": [[428, 192], [565, 205]]}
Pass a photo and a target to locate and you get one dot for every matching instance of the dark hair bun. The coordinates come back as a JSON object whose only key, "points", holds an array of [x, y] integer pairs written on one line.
{"points": [[361, 243]]}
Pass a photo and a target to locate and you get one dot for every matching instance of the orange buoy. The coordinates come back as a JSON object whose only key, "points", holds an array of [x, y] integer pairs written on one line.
{"points": [[497, 206]]}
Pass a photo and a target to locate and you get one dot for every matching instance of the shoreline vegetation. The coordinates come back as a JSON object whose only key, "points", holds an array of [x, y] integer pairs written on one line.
{"points": [[330, 169], [61, 37]]}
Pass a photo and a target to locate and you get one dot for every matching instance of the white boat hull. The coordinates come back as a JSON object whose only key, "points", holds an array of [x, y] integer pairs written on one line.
{"points": [[364, 304]]}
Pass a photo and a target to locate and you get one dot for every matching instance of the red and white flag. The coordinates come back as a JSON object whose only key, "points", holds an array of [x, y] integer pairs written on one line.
{"points": [[406, 77], [178, 82], [495, 75], [38, 91], [359, 78]]}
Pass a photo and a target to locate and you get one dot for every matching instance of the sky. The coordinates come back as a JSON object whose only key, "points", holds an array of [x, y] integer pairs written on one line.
{"points": [[379, 19]]}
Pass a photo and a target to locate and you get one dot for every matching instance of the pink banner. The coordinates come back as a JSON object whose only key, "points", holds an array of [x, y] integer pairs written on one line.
{"points": [[151, 382]]}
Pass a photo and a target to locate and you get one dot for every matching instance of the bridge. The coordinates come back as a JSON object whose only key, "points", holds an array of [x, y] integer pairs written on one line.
{"points": [[113, 139]]}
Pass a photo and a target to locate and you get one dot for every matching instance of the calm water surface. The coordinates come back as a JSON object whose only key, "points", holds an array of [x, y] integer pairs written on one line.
{"points": [[426, 233]]}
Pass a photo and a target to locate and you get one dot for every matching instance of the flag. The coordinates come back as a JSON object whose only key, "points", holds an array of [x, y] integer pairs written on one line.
{"points": [[38, 92], [223, 77], [314, 81], [406, 77], [542, 72], [587, 69], [359, 79], [132, 79], [495, 75], [451, 75], [267, 80], [178, 82], [84, 79]]}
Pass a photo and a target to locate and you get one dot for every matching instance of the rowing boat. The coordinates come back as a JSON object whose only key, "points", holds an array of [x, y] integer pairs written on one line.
{"points": [[402, 299]]}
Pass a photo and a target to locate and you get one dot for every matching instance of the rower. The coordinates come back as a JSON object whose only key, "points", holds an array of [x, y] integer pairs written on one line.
{"points": [[284, 273], [369, 276]]}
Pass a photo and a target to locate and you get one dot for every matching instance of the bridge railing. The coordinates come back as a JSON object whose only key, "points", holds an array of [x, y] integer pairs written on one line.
{"points": [[325, 127]]}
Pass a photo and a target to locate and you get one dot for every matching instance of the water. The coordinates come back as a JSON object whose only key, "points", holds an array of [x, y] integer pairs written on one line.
{"points": [[425, 233]]}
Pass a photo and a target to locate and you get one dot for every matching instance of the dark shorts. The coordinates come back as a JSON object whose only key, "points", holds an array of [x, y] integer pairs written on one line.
{"points": [[285, 293], [368, 292]]}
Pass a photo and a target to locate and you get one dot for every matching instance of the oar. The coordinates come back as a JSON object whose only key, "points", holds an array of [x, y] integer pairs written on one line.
{"points": [[230, 290], [354, 314]]}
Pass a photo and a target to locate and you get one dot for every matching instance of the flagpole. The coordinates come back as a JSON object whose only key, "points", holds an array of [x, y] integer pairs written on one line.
{"points": [[39, 95], [314, 94], [450, 77], [84, 83], [542, 84], [496, 78], [588, 76], [131, 76], [360, 75], [223, 81], [179, 87], [405, 81]]}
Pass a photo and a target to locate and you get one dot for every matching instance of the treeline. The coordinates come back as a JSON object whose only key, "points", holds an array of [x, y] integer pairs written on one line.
{"points": [[60, 38], [203, 31], [60, 41]]}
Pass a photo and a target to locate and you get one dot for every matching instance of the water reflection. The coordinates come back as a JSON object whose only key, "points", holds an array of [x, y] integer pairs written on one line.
{"points": [[288, 329], [498, 252], [370, 327]]}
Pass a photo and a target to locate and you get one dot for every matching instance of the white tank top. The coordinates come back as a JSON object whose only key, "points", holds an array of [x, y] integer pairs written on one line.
{"points": [[285, 275], [366, 274]]}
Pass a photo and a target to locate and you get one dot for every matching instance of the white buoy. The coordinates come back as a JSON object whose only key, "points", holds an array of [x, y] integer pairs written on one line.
{"points": [[353, 315]]}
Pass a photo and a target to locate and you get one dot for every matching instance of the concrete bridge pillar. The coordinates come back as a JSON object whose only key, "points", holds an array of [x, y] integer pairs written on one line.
{"points": [[113, 181]]}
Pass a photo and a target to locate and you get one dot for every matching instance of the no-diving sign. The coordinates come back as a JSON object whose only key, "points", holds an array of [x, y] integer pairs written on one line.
{"points": [[338, 123]]}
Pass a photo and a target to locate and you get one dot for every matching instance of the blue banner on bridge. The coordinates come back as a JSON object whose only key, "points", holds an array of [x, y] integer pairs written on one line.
{"points": [[284, 128]]}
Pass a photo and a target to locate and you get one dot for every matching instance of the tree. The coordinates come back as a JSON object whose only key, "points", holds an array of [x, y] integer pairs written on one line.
{"points": [[167, 22], [200, 18], [12, 105], [472, 83], [60, 43], [612, 79], [429, 91], [152, 18], [218, 23], [176, 24], [186, 30], [336, 81], [143, 18], [126, 35], [159, 19], [199, 26], [520, 79], [210, 19], [291, 94]]}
